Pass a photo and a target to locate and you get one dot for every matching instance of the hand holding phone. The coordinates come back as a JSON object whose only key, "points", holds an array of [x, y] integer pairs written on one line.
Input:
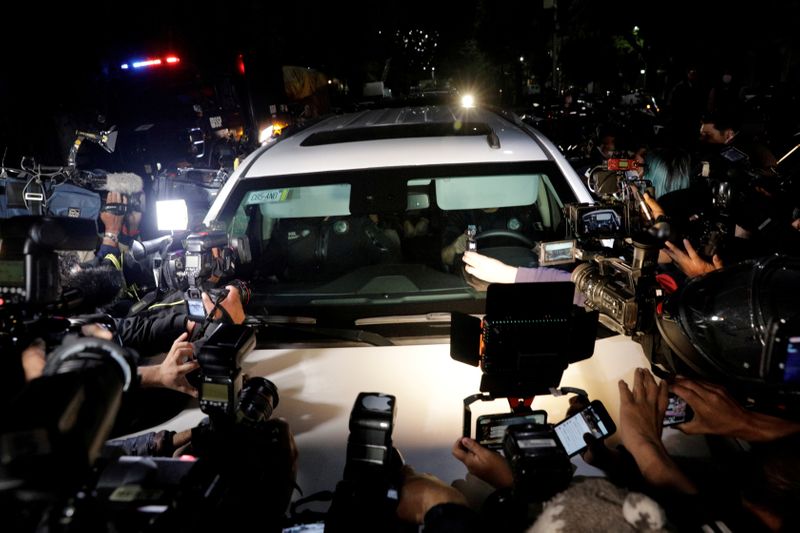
{"points": [[678, 411], [593, 419], [472, 230]]}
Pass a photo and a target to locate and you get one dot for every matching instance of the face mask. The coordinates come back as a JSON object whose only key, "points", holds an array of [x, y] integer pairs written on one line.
{"points": [[727, 78]]}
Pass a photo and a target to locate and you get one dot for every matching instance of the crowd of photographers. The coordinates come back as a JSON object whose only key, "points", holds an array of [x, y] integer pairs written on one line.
{"points": [[752, 486]]}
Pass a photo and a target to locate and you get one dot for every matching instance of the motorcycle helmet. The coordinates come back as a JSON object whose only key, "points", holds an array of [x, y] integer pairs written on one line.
{"points": [[738, 326]]}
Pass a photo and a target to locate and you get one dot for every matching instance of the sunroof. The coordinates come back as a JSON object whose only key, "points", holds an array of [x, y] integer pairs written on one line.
{"points": [[398, 131]]}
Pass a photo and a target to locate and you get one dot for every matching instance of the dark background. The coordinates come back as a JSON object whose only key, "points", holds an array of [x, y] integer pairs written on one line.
{"points": [[53, 55]]}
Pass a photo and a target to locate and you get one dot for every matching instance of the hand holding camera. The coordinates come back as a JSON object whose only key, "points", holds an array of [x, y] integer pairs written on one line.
{"points": [[112, 219], [171, 373], [484, 463]]}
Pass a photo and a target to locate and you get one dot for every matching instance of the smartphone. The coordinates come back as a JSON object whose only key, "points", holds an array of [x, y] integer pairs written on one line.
{"points": [[593, 419], [678, 411], [472, 230], [491, 429]]}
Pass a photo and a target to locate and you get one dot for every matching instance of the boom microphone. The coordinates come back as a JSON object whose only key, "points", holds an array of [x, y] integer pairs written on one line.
{"points": [[91, 288], [126, 183]]}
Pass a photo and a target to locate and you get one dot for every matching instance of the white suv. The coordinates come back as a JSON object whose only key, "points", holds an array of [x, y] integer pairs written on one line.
{"points": [[348, 219], [346, 225]]}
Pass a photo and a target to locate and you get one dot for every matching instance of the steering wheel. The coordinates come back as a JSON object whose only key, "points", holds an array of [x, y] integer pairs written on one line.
{"points": [[505, 233]]}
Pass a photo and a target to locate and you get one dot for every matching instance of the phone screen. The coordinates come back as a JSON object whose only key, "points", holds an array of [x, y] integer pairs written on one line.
{"points": [[570, 432], [491, 429], [195, 308], [791, 367], [678, 411]]}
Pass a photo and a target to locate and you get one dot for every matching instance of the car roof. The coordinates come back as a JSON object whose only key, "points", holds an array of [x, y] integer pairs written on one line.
{"points": [[395, 137]]}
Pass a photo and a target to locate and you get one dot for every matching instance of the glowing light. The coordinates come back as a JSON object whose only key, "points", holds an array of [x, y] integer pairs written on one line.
{"points": [[468, 101], [642, 71], [265, 134], [124, 66], [147, 63], [172, 60], [521, 59], [172, 215]]}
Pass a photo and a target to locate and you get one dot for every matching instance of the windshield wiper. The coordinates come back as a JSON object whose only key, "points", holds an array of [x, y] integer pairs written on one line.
{"points": [[310, 328]]}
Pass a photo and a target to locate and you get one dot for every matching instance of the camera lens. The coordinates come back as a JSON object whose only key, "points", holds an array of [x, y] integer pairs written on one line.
{"points": [[258, 398]]}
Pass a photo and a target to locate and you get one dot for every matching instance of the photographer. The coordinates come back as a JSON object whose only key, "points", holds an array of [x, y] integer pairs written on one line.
{"points": [[641, 465], [120, 229]]}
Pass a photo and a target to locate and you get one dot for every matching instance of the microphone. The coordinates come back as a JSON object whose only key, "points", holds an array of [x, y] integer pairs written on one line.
{"points": [[90, 288], [126, 183]]}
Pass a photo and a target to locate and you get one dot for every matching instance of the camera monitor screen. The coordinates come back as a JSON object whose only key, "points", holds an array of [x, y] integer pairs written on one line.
{"points": [[491, 429], [12, 273]]}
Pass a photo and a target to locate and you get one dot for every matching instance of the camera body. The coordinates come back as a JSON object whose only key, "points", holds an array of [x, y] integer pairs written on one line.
{"points": [[540, 466], [30, 286], [204, 257]]}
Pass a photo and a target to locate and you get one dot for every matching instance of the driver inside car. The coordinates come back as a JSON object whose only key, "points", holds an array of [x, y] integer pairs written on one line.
{"points": [[515, 226]]}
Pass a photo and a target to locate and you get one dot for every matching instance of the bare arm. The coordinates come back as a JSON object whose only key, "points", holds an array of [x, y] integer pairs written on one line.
{"points": [[641, 417], [717, 412]]}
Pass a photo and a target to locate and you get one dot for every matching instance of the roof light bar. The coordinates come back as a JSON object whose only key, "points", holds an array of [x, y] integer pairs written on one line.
{"points": [[147, 63], [170, 60]]}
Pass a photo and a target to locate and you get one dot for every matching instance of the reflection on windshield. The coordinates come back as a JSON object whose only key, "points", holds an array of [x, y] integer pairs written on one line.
{"points": [[308, 239]]}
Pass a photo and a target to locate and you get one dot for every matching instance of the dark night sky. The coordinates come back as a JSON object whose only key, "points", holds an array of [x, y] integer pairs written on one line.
{"points": [[50, 52]]}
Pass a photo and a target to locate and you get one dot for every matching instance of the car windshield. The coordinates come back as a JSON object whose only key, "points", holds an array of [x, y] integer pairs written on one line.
{"points": [[349, 246]]}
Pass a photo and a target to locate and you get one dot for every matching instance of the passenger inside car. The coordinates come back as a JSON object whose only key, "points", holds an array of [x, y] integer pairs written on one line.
{"points": [[320, 249]]}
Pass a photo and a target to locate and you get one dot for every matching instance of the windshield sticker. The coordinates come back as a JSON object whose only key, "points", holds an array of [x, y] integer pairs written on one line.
{"points": [[271, 196]]}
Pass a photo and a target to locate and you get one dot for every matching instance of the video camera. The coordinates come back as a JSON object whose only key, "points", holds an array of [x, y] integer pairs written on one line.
{"points": [[618, 239], [66, 190], [763, 203]]}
